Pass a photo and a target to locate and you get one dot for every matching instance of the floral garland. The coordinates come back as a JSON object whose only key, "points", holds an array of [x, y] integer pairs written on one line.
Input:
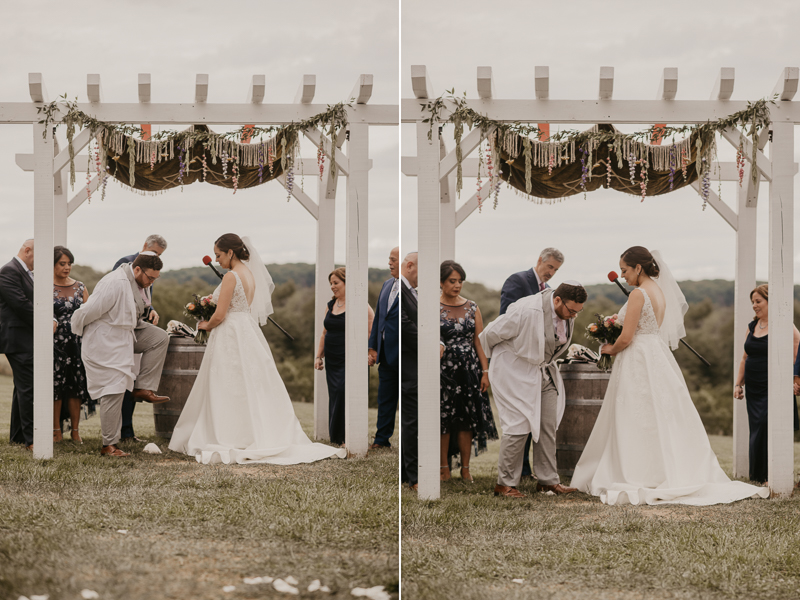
{"points": [[124, 138], [567, 146]]}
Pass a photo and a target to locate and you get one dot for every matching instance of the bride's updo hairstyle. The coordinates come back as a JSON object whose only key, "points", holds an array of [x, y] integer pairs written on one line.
{"points": [[639, 255], [231, 241]]}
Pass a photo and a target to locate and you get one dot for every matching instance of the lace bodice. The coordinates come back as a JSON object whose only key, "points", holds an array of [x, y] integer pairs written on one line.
{"points": [[239, 299], [647, 320]]}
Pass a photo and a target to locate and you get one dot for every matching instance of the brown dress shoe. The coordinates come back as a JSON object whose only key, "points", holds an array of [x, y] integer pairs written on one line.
{"points": [[112, 450], [556, 489], [149, 396], [508, 492]]}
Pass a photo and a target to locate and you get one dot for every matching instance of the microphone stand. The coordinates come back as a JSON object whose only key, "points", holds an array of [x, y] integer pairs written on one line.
{"points": [[705, 362], [271, 320]]}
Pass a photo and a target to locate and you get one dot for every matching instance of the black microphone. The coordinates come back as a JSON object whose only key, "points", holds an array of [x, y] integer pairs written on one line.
{"points": [[207, 262], [614, 278]]}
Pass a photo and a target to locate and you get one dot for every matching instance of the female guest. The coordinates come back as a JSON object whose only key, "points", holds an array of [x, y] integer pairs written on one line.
{"points": [[331, 349], [751, 383], [69, 377], [465, 409]]}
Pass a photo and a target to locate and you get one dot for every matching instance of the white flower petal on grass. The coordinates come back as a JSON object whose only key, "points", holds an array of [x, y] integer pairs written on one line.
{"points": [[281, 586], [40, 597], [374, 593], [517, 581], [23, 598], [325, 589], [151, 448], [89, 594], [314, 585], [123, 531], [266, 579], [229, 588], [291, 580], [253, 580]]}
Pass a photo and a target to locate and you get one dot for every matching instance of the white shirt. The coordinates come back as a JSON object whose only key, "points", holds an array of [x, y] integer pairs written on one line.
{"points": [[24, 266], [408, 285]]}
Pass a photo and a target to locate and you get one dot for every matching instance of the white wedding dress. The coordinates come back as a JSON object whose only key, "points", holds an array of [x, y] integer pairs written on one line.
{"points": [[239, 410], [649, 444]]}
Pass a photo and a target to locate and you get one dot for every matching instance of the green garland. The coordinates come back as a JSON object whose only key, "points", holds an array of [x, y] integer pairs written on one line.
{"points": [[127, 138], [562, 144]]}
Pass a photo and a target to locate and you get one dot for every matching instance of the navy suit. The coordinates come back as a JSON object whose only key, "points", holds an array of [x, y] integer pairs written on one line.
{"points": [[385, 340], [409, 463], [16, 342], [520, 285]]}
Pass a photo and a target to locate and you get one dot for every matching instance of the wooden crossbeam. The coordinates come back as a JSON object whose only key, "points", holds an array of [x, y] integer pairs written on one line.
{"points": [[668, 87], [257, 89], [79, 142], [724, 211], [723, 88], [93, 89], [143, 85], [606, 91], [541, 77], [342, 163], [786, 87], [308, 87], [763, 164], [36, 87], [82, 195], [485, 83], [362, 91], [471, 141], [421, 82], [299, 195], [201, 88]]}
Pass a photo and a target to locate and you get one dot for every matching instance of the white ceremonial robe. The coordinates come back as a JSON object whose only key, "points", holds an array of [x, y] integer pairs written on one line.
{"points": [[106, 323], [515, 342]]}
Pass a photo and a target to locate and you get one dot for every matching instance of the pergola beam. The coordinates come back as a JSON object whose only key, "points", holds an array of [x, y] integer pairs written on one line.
{"points": [[308, 87], [541, 77], [421, 82], [257, 89], [606, 91], [668, 87], [485, 83], [36, 87], [201, 88], [143, 87], [723, 88], [362, 90], [94, 90], [786, 88]]}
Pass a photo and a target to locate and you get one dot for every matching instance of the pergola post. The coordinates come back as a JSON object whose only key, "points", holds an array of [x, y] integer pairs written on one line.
{"points": [[43, 217], [745, 281], [356, 334], [781, 313], [429, 215], [326, 237], [447, 249], [60, 202]]}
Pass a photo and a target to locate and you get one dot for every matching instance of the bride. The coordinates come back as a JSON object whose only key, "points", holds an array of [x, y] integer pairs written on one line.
{"points": [[649, 444], [239, 410]]}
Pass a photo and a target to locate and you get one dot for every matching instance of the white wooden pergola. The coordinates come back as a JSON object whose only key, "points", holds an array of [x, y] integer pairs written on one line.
{"points": [[53, 206], [434, 167]]}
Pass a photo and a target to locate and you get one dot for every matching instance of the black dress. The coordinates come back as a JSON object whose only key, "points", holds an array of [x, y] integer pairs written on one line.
{"points": [[334, 373], [463, 406], [69, 374]]}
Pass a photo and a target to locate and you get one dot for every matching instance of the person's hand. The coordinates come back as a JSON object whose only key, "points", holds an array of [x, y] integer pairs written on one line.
{"points": [[485, 382], [55, 326], [605, 348], [738, 392], [319, 364], [441, 351], [372, 357], [202, 325], [796, 386], [154, 317]]}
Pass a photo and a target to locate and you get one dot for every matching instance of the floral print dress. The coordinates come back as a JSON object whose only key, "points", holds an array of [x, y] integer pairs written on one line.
{"points": [[69, 375], [463, 406]]}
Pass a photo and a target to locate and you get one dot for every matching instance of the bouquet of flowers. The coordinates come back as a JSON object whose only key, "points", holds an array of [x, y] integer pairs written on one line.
{"points": [[605, 330], [201, 309]]}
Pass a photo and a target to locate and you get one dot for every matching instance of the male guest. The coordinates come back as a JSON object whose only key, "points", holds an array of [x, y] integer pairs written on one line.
{"points": [[114, 329], [408, 378], [527, 283], [384, 342], [16, 339], [153, 243]]}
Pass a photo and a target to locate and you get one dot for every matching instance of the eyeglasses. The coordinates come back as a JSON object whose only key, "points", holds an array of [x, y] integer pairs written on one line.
{"points": [[150, 278], [573, 313]]}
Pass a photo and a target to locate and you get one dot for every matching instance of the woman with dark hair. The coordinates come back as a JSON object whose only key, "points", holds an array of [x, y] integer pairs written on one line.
{"points": [[753, 379], [648, 444], [239, 409], [330, 353], [466, 413], [69, 375]]}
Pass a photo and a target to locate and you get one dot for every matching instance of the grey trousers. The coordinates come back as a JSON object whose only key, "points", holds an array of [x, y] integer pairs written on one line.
{"points": [[512, 447], [152, 343]]}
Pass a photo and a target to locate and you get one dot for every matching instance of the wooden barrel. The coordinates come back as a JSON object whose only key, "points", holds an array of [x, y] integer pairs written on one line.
{"points": [[585, 387], [180, 370]]}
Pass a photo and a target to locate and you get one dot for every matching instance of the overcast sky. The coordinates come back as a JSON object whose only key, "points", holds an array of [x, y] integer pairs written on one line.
{"points": [[175, 40], [575, 39]]}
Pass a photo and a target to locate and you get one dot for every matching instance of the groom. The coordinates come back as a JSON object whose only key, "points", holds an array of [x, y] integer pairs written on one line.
{"points": [[524, 344], [113, 326]]}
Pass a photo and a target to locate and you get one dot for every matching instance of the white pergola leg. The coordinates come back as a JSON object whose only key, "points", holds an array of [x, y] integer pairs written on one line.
{"points": [[326, 237], [356, 334], [428, 198], [781, 310], [60, 207], [743, 314], [447, 249], [42, 294]]}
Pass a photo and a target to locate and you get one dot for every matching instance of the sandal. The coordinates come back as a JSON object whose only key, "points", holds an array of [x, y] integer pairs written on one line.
{"points": [[444, 475], [57, 436], [76, 436], [468, 478]]}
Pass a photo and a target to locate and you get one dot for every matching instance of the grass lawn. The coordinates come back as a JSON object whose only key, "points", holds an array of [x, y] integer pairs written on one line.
{"points": [[471, 545], [191, 529]]}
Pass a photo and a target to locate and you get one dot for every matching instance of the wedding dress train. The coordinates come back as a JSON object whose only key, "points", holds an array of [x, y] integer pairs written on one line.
{"points": [[239, 410], [649, 444]]}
